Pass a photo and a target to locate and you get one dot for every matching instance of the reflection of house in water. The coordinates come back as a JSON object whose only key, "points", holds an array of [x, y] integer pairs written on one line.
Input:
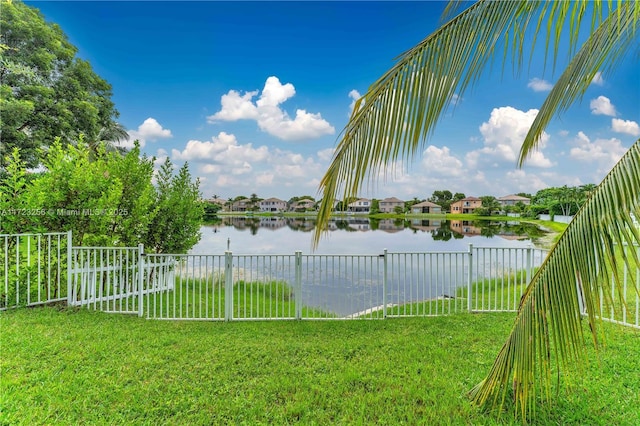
{"points": [[331, 226], [425, 225], [239, 223], [390, 225], [359, 224], [301, 224], [464, 227], [272, 223]]}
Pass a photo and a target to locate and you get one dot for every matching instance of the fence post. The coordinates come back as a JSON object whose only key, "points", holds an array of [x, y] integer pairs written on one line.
{"points": [[529, 264], [69, 267], [470, 278], [228, 286], [141, 275], [384, 284], [297, 294]]}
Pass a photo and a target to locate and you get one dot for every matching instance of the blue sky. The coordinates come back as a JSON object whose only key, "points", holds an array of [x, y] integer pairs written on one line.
{"points": [[254, 95]]}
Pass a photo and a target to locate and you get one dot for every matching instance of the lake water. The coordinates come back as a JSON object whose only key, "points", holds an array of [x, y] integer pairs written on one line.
{"points": [[344, 285], [359, 235]]}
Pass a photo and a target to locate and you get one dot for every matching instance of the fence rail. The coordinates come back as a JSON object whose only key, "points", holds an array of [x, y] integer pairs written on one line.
{"points": [[309, 286], [105, 278], [44, 268], [33, 268]]}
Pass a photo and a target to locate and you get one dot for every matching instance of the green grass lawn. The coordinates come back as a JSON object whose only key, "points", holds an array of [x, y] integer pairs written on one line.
{"points": [[71, 366]]}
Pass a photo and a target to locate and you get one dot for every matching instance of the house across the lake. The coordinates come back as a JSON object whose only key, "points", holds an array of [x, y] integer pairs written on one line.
{"points": [[426, 207], [512, 200], [302, 205], [273, 205], [388, 205], [466, 205], [363, 205], [241, 205]]}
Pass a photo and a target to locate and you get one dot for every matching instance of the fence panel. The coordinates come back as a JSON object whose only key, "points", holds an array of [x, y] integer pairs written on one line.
{"points": [[623, 305], [285, 286], [189, 287], [33, 269], [500, 275], [106, 278], [263, 287], [427, 284], [45, 268], [342, 286]]}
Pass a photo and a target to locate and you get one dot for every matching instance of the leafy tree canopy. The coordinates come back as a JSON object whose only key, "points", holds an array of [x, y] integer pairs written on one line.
{"points": [[107, 200], [45, 90]]}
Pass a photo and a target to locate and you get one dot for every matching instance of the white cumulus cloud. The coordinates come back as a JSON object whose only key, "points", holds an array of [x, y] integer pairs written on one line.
{"points": [[625, 126], [604, 152], [602, 106], [269, 115], [222, 153], [149, 130], [354, 95], [326, 154], [503, 134], [597, 79], [439, 161], [225, 164], [236, 107], [539, 85], [521, 181]]}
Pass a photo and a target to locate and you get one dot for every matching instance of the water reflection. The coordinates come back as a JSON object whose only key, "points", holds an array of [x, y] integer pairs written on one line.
{"points": [[440, 230], [358, 235]]}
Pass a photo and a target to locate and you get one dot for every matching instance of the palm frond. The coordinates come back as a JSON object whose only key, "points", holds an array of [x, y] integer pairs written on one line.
{"points": [[397, 114], [579, 268], [602, 51], [402, 108]]}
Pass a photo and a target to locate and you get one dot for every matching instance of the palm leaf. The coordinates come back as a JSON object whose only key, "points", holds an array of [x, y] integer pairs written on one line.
{"points": [[398, 113], [577, 270], [606, 46]]}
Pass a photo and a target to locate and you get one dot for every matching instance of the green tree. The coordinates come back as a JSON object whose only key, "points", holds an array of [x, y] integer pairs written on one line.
{"points": [[399, 111], [411, 203], [375, 206], [490, 205], [45, 90], [210, 210], [175, 227], [254, 200], [76, 193], [134, 210], [13, 201], [443, 198], [563, 200], [107, 200]]}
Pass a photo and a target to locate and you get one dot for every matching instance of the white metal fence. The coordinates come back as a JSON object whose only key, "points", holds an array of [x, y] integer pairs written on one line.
{"points": [[105, 278], [44, 268], [33, 268], [624, 303], [309, 286]]}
